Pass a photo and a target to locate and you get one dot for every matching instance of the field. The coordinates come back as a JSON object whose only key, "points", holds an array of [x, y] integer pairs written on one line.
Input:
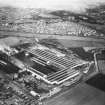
{"points": [[82, 94], [67, 41]]}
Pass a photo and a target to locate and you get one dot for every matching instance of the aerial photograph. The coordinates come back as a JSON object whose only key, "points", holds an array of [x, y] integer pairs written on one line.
{"points": [[52, 52]]}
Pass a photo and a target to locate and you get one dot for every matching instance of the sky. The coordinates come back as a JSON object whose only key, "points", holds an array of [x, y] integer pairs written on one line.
{"points": [[74, 5]]}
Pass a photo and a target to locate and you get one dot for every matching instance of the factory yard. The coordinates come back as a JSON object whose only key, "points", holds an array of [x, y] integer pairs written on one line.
{"points": [[82, 93]]}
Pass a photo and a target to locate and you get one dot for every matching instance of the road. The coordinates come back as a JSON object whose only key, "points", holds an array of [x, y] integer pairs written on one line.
{"points": [[67, 41]]}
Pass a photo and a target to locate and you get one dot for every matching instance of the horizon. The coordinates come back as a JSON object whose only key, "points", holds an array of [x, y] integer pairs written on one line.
{"points": [[70, 5]]}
